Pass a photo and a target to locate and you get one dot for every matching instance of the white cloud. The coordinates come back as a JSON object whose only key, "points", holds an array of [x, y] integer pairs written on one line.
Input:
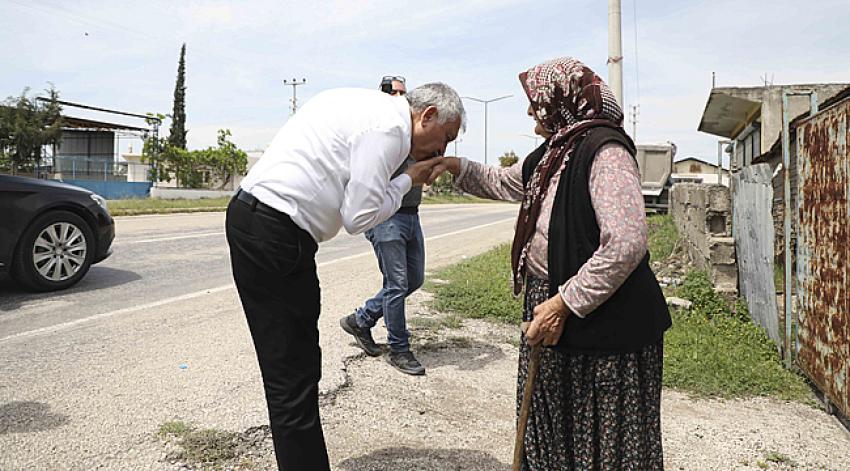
{"points": [[239, 53]]}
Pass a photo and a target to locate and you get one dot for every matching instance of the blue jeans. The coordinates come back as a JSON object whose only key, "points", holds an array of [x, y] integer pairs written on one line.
{"points": [[400, 249]]}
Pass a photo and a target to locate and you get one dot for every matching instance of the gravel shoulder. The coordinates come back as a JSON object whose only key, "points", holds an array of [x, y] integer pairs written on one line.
{"points": [[460, 416]]}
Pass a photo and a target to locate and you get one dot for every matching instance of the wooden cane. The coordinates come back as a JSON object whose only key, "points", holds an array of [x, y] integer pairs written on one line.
{"points": [[522, 423]]}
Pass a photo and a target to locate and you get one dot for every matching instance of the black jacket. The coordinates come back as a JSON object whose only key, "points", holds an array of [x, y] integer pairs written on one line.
{"points": [[636, 315]]}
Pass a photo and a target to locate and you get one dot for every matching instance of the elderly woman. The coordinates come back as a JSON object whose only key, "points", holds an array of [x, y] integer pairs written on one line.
{"points": [[580, 253]]}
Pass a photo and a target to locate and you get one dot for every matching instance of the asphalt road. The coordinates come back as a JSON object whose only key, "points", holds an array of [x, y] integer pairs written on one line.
{"points": [[156, 333]]}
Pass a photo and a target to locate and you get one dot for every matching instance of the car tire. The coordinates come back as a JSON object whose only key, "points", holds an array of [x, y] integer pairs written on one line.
{"points": [[54, 252]]}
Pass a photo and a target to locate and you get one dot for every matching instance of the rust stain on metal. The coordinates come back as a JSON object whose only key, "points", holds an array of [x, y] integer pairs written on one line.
{"points": [[823, 269]]}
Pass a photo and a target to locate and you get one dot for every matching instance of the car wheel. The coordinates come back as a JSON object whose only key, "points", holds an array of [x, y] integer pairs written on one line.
{"points": [[55, 252]]}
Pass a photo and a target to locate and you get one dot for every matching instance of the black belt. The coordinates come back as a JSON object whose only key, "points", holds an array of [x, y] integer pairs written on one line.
{"points": [[257, 205], [409, 210]]}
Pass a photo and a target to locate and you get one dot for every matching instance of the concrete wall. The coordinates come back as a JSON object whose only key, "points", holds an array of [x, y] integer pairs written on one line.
{"points": [[113, 190], [702, 214]]}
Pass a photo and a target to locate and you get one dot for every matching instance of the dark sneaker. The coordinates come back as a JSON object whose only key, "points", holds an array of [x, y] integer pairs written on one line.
{"points": [[406, 363], [361, 335]]}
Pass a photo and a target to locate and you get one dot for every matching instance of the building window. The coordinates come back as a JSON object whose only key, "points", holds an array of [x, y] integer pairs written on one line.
{"points": [[749, 146]]}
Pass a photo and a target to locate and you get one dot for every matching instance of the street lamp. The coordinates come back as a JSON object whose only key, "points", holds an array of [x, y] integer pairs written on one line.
{"points": [[486, 102]]}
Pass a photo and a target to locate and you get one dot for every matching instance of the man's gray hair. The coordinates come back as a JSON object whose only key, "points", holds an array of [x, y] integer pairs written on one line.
{"points": [[443, 97]]}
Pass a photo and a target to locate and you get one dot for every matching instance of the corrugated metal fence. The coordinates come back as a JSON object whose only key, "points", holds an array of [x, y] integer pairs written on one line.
{"points": [[823, 249]]}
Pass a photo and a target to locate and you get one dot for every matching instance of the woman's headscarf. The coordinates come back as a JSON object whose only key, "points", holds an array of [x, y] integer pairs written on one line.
{"points": [[567, 99]]}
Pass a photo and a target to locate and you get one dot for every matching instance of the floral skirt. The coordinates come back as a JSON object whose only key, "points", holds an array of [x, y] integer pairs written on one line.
{"points": [[591, 412]]}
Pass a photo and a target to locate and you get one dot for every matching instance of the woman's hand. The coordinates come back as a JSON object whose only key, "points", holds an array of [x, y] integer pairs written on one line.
{"points": [[450, 164], [425, 171], [548, 323]]}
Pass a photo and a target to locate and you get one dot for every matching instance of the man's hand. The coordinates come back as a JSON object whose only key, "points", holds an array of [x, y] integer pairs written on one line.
{"points": [[548, 323], [425, 171]]}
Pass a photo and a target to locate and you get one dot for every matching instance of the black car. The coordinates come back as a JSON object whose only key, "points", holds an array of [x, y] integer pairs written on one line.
{"points": [[51, 232]]}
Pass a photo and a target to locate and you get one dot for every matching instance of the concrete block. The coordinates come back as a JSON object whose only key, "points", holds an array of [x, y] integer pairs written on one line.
{"points": [[717, 223], [719, 199], [724, 277], [679, 302], [722, 250]]}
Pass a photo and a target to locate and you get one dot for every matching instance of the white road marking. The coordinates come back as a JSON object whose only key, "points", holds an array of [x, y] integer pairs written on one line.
{"points": [[67, 325], [163, 239]]}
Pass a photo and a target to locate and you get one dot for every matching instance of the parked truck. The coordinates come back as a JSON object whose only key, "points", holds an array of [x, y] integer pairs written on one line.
{"points": [[655, 162]]}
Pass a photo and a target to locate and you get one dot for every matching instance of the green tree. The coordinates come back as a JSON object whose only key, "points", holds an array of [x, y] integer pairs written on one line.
{"points": [[224, 161], [444, 185], [189, 168], [177, 133], [26, 127], [508, 159], [154, 153], [172, 163]]}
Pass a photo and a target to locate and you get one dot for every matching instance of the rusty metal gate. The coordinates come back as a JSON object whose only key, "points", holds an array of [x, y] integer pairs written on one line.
{"points": [[823, 269]]}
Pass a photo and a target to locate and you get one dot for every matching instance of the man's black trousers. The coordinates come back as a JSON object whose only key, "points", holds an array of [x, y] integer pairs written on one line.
{"points": [[274, 268]]}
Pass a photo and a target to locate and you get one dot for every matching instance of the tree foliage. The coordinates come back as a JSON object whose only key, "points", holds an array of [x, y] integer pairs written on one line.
{"points": [[443, 185], [508, 159], [26, 127], [178, 131], [210, 167]]}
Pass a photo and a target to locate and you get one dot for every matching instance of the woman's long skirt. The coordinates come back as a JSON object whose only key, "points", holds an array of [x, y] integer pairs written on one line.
{"points": [[591, 412]]}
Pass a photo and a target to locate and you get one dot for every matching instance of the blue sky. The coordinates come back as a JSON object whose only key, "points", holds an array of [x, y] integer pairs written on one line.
{"points": [[238, 54]]}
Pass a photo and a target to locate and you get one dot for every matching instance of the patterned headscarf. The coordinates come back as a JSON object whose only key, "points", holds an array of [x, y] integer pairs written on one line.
{"points": [[568, 99]]}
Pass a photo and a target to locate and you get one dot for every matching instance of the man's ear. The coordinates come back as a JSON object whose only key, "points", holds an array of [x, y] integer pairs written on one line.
{"points": [[429, 115]]}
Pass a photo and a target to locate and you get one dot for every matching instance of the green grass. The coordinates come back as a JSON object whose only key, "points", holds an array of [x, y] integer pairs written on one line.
{"points": [[479, 288], [779, 277], [713, 350], [174, 427], [131, 207], [209, 447], [138, 206], [436, 324], [662, 236], [779, 458], [455, 199]]}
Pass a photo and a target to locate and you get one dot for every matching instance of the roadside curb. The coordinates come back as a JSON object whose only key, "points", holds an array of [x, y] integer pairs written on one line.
{"points": [[145, 212]]}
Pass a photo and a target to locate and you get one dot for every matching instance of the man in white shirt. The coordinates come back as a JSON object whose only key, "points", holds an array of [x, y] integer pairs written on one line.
{"points": [[329, 167]]}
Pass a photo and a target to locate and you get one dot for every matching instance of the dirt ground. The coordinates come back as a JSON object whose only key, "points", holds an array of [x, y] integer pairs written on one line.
{"points": [[460, 416]]}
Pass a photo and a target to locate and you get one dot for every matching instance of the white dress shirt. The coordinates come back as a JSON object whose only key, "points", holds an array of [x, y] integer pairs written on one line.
{"points": [[330, 165]]}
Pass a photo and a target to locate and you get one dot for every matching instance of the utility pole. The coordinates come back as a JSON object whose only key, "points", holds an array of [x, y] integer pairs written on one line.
{"points": [[615, 50], [635, 114], [486, 102], [294, 83], [457, 140]]}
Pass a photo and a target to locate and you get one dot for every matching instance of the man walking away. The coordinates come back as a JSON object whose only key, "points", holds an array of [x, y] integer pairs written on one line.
{"points": [[400, 249]]}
